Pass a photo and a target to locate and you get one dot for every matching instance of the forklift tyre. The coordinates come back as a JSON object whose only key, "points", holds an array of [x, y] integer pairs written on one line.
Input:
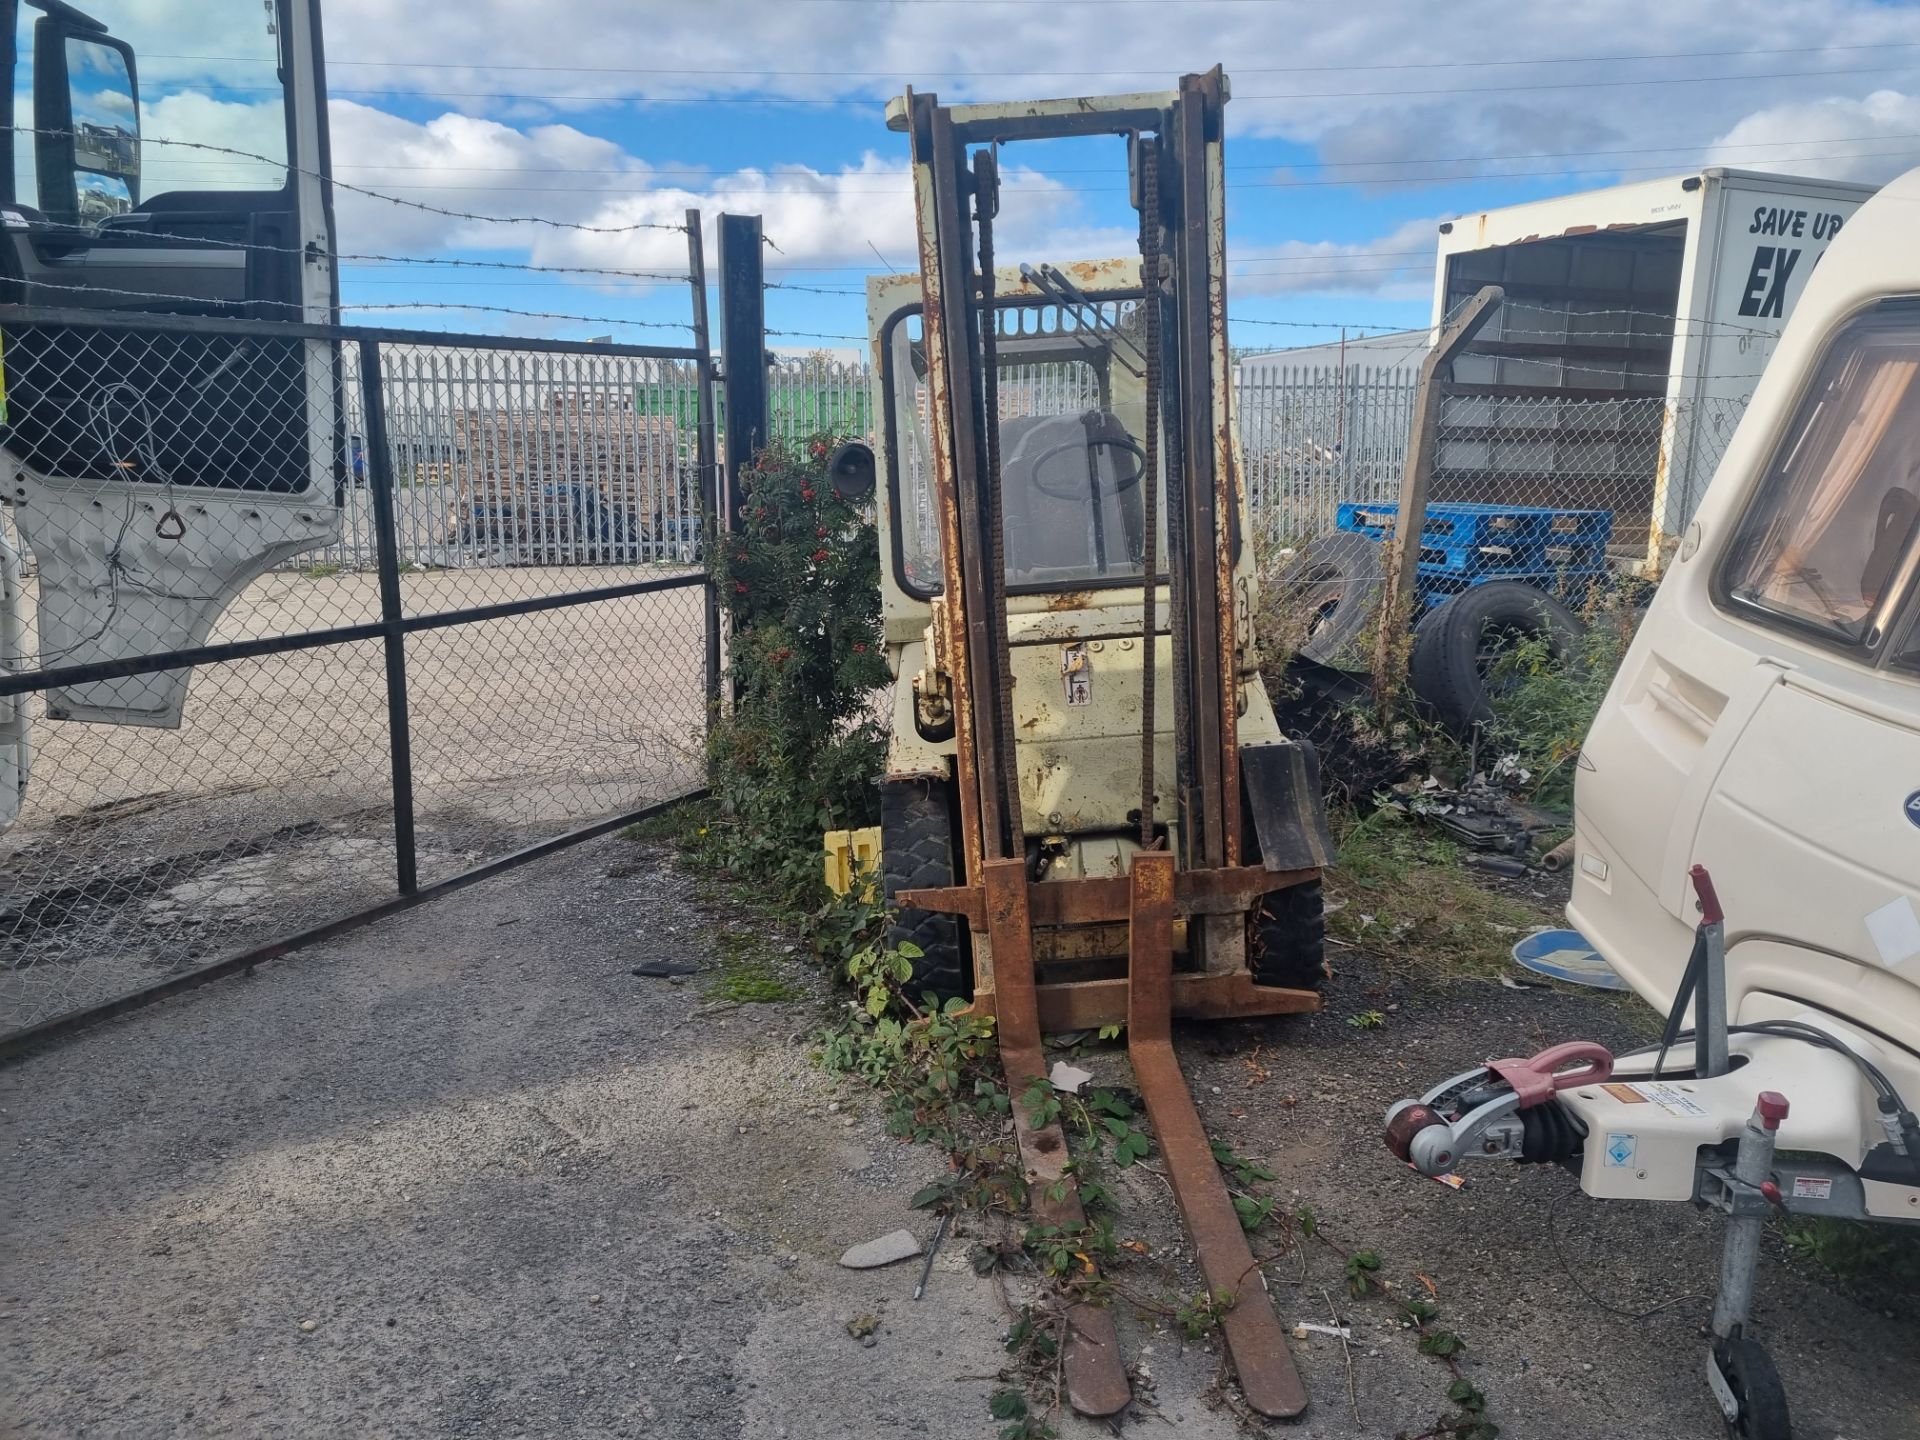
{"points": [[1749, 1373], [1288, 946], [916, 853], [1457, 644]]}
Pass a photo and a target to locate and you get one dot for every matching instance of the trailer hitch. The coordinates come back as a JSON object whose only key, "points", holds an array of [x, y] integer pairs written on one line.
{"points": [[1503, 1109]]}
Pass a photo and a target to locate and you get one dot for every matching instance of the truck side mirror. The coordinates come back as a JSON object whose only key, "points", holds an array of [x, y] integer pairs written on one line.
{"points": [[86, 104], [850, 469]]}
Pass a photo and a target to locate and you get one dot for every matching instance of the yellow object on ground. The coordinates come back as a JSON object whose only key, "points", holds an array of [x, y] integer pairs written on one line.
{"points": [[849, 853]]}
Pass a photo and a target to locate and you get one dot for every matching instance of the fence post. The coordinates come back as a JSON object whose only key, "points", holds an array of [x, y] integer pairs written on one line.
{"points": [[704, 459], [743, 348], [1402, 571], [379, 463]]}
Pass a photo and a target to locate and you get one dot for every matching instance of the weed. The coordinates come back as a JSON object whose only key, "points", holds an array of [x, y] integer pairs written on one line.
{"points": [[747, 975], [322, 570], [1202, 1314], [1544, 704], [1367, 1020], [1402, 893], [1881, 1258]]}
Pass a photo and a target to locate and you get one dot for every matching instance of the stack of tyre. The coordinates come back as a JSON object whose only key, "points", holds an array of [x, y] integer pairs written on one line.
{"points": [[1335, 583]]}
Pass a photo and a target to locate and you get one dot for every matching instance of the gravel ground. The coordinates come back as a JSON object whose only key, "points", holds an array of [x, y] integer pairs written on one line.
{"points": [[142, 852], [463, 1174]]}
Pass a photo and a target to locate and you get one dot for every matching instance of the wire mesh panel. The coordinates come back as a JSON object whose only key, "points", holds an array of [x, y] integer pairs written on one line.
{"points": [[295, 619]]}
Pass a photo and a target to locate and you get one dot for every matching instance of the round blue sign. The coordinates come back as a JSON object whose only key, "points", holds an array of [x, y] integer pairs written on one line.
{"points": [[1913, 807]]}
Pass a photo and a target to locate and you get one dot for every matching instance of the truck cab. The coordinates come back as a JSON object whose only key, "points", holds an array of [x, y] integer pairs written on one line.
{"points": [[1766, 720], [170, 429]]}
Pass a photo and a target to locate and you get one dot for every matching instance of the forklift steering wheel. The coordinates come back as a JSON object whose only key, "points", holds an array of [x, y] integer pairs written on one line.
{"points": [[1068, 492]]}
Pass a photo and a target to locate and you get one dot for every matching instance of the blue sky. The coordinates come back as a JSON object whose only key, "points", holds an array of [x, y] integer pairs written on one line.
{"points": [[1353, 131]]}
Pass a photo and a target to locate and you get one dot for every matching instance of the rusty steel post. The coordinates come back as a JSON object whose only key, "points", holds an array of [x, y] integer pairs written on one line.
{"points": [[1254, 1338], [1403, 546]]}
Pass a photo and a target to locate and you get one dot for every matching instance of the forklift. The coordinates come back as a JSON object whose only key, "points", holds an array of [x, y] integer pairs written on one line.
{"points": [[1090, 816]]}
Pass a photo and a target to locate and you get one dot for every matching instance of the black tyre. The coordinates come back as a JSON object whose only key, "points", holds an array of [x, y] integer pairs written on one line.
{"points": [[1330, 590], [1457, 644], [916, 853], [1749, 1373], [1287, 945]]}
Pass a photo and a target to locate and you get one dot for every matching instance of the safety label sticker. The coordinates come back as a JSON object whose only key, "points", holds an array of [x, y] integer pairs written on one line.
{"points": [[1625, 1094], [1812, 1187], [1620, 1150], [1670, 1098]]}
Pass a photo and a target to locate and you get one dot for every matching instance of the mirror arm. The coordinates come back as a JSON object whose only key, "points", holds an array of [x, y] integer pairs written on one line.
{"points": [[60, 10]]}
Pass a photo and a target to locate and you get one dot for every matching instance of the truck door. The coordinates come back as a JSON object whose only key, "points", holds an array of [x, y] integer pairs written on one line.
{"points": [[171, 171]]}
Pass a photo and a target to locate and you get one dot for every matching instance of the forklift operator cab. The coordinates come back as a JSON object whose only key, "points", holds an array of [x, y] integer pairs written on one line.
{"points": [[167, 167], [1766, 722]]}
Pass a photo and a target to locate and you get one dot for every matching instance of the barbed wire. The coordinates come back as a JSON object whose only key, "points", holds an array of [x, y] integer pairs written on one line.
{"points": [[339, 184], [347, 257], [225, 304], [529, 314]]}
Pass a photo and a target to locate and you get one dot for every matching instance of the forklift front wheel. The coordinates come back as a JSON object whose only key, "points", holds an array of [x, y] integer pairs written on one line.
{"points": [[1749, 1373], [1288, 943], [916, 853]]}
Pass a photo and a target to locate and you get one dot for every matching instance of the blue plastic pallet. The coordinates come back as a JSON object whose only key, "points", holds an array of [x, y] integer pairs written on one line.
{"points": [[1475, 542]]}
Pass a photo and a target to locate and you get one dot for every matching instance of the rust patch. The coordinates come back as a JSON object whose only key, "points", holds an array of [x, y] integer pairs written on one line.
{"points": [[1070, 600]]}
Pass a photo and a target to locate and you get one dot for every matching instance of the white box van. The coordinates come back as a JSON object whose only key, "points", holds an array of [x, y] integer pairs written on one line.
{"points": [[1674, 288]]}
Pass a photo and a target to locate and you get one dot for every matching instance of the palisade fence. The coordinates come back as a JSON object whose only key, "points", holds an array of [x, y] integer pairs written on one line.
{"points": [[446, 675], [1317, 442]]}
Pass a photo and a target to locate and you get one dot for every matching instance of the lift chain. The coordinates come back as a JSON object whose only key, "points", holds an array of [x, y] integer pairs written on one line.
{"points": [[986, 192], [1149, 152]]}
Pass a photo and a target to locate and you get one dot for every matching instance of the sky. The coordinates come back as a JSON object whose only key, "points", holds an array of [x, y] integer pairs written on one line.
{"points": [[1352, 132]]}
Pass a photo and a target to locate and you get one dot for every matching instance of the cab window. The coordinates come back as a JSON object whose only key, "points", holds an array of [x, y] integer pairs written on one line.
{"points": [[1072, 464], [1826, 548]]}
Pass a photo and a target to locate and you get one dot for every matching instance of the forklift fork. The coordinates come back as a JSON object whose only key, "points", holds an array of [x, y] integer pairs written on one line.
{"points": [[1095, 1376], [1254, 1338]]}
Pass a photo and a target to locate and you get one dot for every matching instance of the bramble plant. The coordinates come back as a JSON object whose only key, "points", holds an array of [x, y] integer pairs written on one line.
{"points": [[798, 752]]}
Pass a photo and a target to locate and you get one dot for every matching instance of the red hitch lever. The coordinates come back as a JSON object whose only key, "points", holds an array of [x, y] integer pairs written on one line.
{"points": [[1535, 1080]]}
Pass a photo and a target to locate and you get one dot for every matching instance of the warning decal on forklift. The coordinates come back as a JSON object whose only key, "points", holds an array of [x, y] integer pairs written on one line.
{"points": [[1812, 1187], [1670, 1098], [1620, 1150]]}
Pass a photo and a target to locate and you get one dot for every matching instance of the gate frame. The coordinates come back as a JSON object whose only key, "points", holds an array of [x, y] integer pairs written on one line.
{"points": [[394, 625]]}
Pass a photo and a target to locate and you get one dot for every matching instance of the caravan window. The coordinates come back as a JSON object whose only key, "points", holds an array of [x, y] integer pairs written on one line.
{"points": [[1827, 547]]}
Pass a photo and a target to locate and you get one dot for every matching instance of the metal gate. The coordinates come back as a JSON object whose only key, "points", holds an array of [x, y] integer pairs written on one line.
{"points": [[509, 645]]}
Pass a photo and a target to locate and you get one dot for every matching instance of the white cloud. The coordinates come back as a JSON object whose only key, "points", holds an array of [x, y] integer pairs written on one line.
{"points": [[1397, 265], [1870, 139], [816, 217]]}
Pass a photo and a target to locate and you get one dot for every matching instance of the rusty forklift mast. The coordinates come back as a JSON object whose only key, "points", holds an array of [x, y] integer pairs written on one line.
{"points": [[1189, 863]]}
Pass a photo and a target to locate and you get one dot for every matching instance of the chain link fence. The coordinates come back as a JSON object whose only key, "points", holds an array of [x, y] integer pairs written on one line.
{"points": [[261, 680], [1563, 493]]}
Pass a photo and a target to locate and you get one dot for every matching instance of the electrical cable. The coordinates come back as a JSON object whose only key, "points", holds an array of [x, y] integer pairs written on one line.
{"points": [[1573, 1275], [379, 92], [333, 61], [339, 184]]}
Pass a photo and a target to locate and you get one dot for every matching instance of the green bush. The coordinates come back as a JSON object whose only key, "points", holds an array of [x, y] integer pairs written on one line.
{"points": [[1544, 705], [800, 750]]}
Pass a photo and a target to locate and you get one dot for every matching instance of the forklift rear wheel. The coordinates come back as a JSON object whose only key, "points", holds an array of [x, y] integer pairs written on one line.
{"points": [[1289, 941], [1756, 1387], [916, 853]]}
